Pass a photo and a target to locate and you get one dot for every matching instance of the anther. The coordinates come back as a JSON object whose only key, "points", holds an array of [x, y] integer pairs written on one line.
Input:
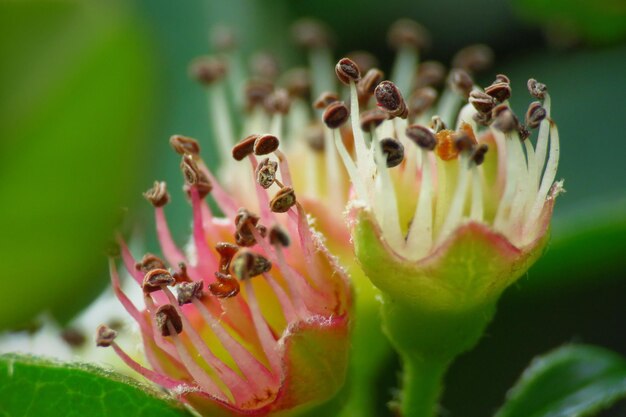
{"points": [[155, 279], [264, 65], [371, 119], [482, 102], [501, 78], [364, 60], [266, 173], [478, 153], [473, 58], [336, 114], [226, 251], [184, 145], [244, 220], [325, 99], [483, 119], [389, 98], [436, 124], [181, 275], [105, 336], [247, 265], [347, 71], [393, 151], [207, 70], [225, 287], [283, 200], [245, 147], [150, 262], [537, 89], [73, 337], [523, 131], [370, 80], [421, 100], [265, 144], [297, 82], [256, 91], [310, 33], [430, 73], [503, 119], [194, 177], [314, 136], [535, 114], [167, 315], [278, 236], [157, 195], [406, 32], [460, 82], [223, 38], [187, 291], [422, 136], [500, 91], [463, 142], [278, 102]]}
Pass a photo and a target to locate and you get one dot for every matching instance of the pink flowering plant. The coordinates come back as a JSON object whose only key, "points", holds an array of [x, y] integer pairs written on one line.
{"points": [[355, 217]]}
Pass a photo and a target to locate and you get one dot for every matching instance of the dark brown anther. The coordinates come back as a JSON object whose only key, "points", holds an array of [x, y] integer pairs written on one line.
{"points": [[297, 82], [264, 65], [157, 195], [430, 73], [247, 265], [421, 100], [473, 58], [501, 78], [184, 145], [223, 38], [347, 71], [393, 151], [266, 173], [478, 154], [187, 291], [535, 114], [523, 132], [278, 236], [225, 287], [265, 144], [364, 60], [436, 124], [181, 275], [500, 91], [389, 98], [463, 142], [278, 102], [150, 262], [324, 100], [371, 119], [105, 336], [408, 33], [256, 91], [537, 89], [311, 33], [226, 251], [314, 136], [244, 220], [422, 136], [245, 147], [194, 177], [261, 229], [370, 80], [155, 279], [336, 114], [283, 200], [460, 82], [207, 70], [483, 119], [503, 119], [166, 317], [482, 102], [73, 337]]}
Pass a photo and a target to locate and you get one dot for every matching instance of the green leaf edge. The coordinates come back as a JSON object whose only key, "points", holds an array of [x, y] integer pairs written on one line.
{"points": [[569, 353], [8, 360]]}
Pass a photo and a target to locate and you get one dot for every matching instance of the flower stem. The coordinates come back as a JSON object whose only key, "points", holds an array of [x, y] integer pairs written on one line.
{"points": [[421, 385]]}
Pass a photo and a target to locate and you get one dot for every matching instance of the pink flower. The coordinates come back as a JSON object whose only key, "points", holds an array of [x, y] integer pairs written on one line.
{"points": [[259, 320]]}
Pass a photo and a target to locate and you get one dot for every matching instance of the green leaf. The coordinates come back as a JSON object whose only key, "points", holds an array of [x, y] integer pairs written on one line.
{"points": [[37, 387], [572, 381]]}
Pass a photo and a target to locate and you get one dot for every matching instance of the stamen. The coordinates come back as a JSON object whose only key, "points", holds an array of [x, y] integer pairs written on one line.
{"points": [[155, 279], [420, 235], [482, 102], [268, 343], [324, 100], [421, 100], [473, 58], [184, 145], [244, 148], [283, 200], [158, 195], [105, 336], [389, 98], [371, 119], [500, 91], [347, 71], [264, 65], [537, 89], [278, 236], [150, 262], [335, 115], [430, 74], [407, 37], [187, 291], [225, 287], [535, 114], [368, 84], [458, 200], [265, 144], [393, 151], [167, 315], [266, 172]]}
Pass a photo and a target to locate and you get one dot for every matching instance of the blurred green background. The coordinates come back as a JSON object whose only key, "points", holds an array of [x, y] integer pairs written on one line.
{"points": [[91, 91]]}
